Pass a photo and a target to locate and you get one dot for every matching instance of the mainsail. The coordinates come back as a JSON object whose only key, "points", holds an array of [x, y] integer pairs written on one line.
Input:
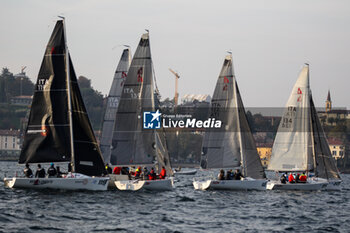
{"points": [[112, 104], [47, 138], [131, 143], [232, 145], [292, 149]]}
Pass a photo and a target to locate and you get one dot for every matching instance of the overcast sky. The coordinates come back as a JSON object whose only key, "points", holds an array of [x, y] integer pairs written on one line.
{"points": [[270, 41]]}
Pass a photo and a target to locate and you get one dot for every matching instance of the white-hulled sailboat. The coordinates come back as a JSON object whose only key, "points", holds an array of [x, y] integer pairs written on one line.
{"points": [[111, 111], [300, 144], [59, 129], [231, 146], [132, 144]]}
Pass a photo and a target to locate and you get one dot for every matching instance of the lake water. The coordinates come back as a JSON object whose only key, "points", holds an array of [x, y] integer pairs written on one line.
{"points": [[180, 210]]}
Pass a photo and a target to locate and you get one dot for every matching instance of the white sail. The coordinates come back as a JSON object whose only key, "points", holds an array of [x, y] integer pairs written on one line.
{"points": [[292, 148], [112, 104]]}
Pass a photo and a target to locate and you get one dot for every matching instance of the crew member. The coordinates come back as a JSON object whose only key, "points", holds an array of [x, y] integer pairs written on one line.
{"points": [[108, 169], [291, 178], [40, 172], [59, 173], [221, 175], [283, 178], [238, 175], [27, 171], [52, 171], [162, 173], [303, 178], [138, 172], [117, 170], [152, 175], [145, 173]]}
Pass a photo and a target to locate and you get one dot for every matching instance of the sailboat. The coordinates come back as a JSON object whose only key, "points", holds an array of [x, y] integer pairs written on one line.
{"points": [[59, 129], [231, 146], [300, 144], [132, 143]]}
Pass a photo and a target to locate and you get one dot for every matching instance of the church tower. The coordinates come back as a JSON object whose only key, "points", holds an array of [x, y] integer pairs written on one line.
{"points": [[328, 102]]}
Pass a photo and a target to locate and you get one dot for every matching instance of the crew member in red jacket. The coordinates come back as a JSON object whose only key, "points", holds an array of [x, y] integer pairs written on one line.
{"points": [[291, 178], [152, 175], [162, 173]]}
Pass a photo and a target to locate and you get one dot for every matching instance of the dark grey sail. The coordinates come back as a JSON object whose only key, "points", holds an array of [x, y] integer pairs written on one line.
{"points": [[221, 147], [251, 163], [131, 143], [87, 155], [233, 144], [47, 138], [325, 164], [112, 104]]}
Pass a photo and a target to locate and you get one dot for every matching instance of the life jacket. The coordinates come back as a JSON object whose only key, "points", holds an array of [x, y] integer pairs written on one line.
{"points": [[302, 178], [117, 170], [162, 174], [291, 178]]}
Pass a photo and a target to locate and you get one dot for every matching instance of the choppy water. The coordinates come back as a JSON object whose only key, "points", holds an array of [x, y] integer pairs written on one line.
{"points": [[181, 210]]}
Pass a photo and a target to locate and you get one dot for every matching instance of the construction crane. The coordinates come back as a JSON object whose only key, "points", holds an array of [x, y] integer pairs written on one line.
{"points": [[177, 76]]}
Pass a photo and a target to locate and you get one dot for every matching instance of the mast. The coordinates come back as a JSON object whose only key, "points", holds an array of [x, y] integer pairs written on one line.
{"points": [[69, 95], [240, 131]]}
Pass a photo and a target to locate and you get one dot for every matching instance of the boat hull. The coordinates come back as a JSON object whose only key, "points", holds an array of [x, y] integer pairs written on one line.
{"points": [[114, 178], [309, 186], [245, 184], [189, 172], [76, 182], [155, 185]]}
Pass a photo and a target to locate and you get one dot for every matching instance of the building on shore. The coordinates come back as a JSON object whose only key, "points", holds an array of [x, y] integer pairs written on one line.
{"points": [[264, 152], [337, 148], [331, 116], [10, 144]]}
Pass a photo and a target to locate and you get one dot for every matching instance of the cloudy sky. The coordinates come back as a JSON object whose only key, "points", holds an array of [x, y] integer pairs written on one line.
{"points": [[270, 41]]}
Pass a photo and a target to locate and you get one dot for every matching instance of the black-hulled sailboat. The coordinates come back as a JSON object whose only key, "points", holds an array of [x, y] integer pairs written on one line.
{"points": [[231, 146], [59, 129], [132, 144]]}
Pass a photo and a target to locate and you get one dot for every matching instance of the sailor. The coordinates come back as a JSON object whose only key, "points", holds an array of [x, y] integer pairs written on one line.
{"points": [[291, 178], [238, 175], [27, 171], [108, 169], [117, 170], [40, 172], [152, 175], [229, 175], [145, 173], [283, 178], [69, 167], [125, 171], [221, 175], [52, 171], [162, 173], [302, 178], [59, 173], [297, 178], [138, 172]]}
